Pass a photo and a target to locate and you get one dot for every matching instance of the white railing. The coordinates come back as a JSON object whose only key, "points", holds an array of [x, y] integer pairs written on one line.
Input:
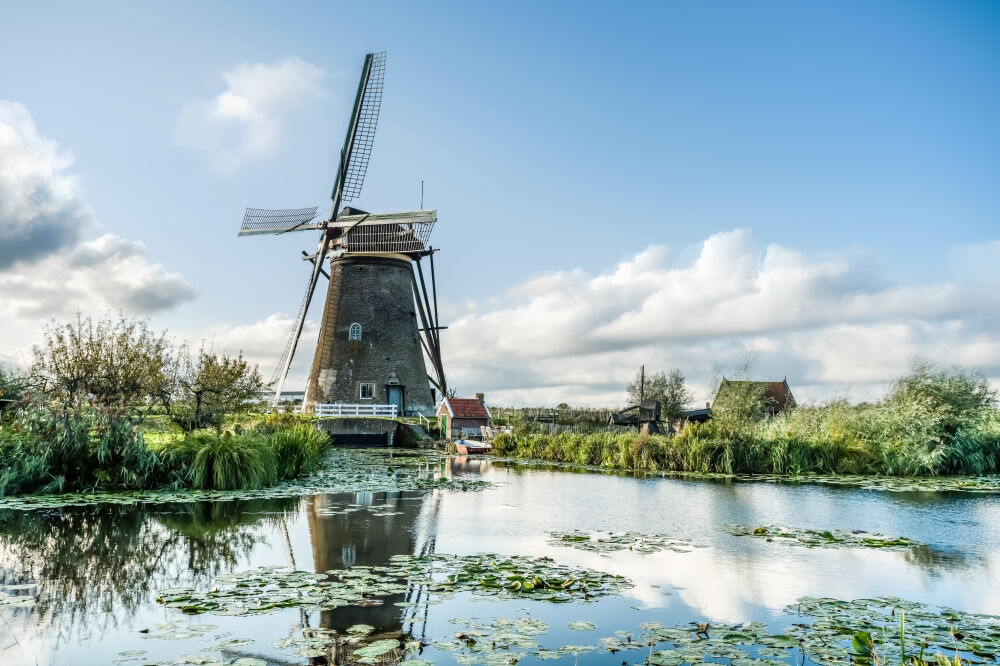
{"points": [[339, 411], [424, 420]]}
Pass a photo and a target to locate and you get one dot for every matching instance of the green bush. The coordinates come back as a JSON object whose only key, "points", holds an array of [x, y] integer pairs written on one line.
{"points": [[80, 448], [297, 448], [213, 461], [86, 449]]}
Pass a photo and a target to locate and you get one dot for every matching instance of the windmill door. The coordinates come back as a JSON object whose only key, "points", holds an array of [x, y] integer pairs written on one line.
{"points": [[396, 398]]}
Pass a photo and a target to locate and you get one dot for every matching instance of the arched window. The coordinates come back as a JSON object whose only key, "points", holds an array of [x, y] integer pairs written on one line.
{"points": [[354, 333]]}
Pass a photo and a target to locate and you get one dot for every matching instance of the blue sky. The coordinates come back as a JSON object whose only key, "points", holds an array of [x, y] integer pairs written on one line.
{"points": [[555, 139]]}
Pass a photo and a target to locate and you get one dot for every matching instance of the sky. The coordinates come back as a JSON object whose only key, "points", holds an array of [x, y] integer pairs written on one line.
{"points": [[675, 184]]}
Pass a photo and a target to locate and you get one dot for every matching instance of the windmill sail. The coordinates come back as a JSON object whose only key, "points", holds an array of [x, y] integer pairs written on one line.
{"points": [[258, 221], [357, 148], [281, 372], [354, 158]]}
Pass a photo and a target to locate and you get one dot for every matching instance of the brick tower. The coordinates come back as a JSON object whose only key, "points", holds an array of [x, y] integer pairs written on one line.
{"points": [[368, 350]]}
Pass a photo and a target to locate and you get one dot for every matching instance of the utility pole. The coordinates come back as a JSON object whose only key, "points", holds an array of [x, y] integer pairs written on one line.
{"points": [[642, 383]]}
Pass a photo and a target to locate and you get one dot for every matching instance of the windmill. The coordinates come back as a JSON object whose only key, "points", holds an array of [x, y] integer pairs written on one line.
{"points": [[370, 347]]}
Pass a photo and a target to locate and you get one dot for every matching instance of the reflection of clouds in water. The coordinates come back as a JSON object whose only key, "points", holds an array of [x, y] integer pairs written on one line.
{"points": [[732, 579]]}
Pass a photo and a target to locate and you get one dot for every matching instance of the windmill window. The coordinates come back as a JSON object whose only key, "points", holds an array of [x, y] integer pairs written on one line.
{"points": [[367, 391], [354, 333]]}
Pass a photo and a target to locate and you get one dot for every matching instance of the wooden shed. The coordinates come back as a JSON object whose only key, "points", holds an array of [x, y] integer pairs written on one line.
{"points": [[463, 417]]}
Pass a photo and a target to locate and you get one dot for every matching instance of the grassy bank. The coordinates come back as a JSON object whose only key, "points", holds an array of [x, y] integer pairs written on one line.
{"points": [[931, 422], [88, 451]]}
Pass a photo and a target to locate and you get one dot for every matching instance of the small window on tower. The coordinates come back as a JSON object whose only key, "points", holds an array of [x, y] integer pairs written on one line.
{"points": [[367, 390], [354, 333]]}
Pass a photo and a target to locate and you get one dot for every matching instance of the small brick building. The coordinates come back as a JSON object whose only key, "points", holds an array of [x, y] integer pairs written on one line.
{"points": [[463, 417]]}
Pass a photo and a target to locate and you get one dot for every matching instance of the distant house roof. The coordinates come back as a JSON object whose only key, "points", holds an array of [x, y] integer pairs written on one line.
{"points": [[465, 408], [698, 415], [777, 395]]}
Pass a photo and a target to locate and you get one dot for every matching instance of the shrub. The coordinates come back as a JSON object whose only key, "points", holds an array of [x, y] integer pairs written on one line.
{"points": [[296, 449], [222, 462], [81, 448]]}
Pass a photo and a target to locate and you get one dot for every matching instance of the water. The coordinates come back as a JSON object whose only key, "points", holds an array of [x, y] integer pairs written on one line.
{"points": [[99, 568]]}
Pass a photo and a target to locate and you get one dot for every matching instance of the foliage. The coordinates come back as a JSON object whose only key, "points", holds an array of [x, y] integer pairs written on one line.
{"points": [[244, 460], [739, 406], [201, 390], [297, 448], [79, 448], [668, 388], [120, 365], [953, 397], [224, 462], [114, 363]]}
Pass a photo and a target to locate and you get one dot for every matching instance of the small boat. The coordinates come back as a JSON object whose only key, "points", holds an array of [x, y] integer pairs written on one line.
{"points": [[466, 446]]}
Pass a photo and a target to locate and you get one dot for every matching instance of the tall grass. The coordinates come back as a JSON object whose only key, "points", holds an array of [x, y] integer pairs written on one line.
{"points": [[75, 449], [245, 459], [931, 422]]}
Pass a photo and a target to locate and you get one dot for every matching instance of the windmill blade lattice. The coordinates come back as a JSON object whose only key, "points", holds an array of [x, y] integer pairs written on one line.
{"points": [[257, 221], [364, 132]]}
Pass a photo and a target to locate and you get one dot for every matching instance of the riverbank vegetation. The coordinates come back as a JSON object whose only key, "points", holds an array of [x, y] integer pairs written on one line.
{"points": [[933, 421], [96, 389]]}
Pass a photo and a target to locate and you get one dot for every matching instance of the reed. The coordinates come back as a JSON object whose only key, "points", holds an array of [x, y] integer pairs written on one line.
{"points": [[833, 439]]}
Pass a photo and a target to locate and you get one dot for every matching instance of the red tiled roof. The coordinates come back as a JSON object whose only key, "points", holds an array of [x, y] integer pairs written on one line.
{"points": [[467, 408]]}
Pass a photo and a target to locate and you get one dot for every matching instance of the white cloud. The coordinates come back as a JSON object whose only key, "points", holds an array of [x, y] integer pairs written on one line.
{"points": [[45, 269], [40, 212], [106, 273], [244, 121], [832, 324], [262, 342]]}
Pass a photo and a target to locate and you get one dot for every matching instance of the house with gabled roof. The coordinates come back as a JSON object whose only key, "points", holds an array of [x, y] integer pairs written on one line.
{"points": [[463, 417], [777, 395]]}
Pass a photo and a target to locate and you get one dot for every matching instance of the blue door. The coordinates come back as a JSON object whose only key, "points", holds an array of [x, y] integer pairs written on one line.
{"points": [[396, 398]]}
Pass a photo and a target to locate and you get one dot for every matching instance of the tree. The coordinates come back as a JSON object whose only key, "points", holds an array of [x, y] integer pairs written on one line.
{"points": [[669, 389], [954, 396], [743, 403], [11, 384], [676, 397], [116, 364], [201, 390]]}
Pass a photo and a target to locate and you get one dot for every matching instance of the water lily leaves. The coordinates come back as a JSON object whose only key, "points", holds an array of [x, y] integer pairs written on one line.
{"points": [[361, 629], [606, 542], [864, 625], [582, 625], [228, 644], [376, 648], [780, 640], [822, 538]]}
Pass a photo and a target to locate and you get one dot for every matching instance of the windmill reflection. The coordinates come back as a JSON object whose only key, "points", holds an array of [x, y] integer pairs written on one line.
{"points": [[367, 529]]}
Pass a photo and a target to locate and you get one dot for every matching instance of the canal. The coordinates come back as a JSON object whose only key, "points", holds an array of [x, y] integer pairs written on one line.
{"points": [[681, 578]]}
